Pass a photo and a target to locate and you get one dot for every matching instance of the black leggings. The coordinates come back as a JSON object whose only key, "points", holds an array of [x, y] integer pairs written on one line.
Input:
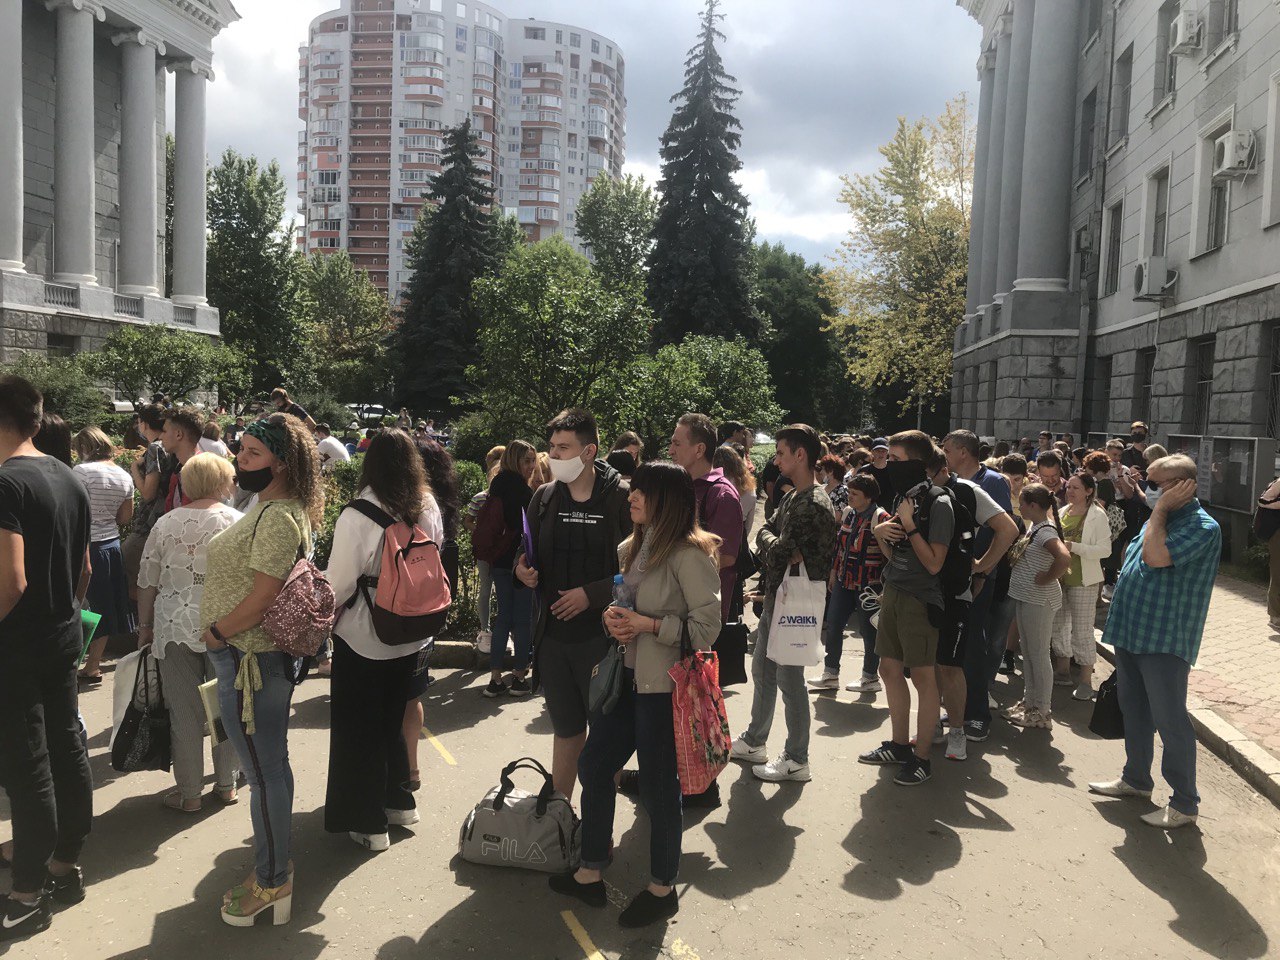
{"points": [[44, 766]]}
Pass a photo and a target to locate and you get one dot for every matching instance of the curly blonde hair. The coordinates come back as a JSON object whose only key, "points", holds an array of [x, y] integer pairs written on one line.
{"points": [[302, 466]]}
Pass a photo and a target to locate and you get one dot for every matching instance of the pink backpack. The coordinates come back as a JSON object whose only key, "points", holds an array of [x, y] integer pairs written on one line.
{"points": [[411, 596]]}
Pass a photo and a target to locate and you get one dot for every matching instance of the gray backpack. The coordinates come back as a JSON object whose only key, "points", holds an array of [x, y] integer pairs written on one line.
{"points": [[513, 828]]}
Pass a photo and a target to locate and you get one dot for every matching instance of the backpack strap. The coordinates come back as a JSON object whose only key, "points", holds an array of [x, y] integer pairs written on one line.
{"points": [[372, 511]]}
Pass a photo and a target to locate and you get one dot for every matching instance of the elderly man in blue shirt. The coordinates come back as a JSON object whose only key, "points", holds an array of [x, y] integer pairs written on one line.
{"points": [[1156, 622]]}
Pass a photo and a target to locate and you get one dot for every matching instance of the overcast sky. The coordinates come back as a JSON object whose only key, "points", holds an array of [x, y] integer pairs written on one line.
{"points": [[822, 82]]}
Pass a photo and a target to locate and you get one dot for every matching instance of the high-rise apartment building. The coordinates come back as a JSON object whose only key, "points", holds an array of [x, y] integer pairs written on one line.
{"points": [[380, 81]]}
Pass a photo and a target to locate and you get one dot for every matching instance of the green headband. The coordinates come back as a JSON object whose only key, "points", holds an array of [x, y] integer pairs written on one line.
{"points": [[272, 435]]}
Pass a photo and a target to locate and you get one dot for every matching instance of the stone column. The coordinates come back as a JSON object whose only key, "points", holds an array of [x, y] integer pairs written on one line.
{"points": [[1045, 212], [74, 211], [986, 79], [11, 207], [189, 183], [1015, 127], [995, 160], [139, 203]]}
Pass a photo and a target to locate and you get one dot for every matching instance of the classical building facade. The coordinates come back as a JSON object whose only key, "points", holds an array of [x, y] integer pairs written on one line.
{"points": [[82, 168], [1125, 248], [381, 80]]}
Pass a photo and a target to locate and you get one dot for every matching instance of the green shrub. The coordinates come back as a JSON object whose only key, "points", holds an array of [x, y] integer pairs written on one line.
{"points": [[68, 389], [470, 480]]}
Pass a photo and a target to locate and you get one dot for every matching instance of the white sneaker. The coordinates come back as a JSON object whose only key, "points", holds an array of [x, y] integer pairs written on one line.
{"points": [[484, 639], [403, 818], [868, 684], [1108, 591], [375, 842], [1168, 819], [828, 681], [957, 744], [992, 703], [745, 753], [784, 768]]}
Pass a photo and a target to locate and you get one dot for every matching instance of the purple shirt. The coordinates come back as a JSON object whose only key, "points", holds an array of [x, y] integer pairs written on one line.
{"points": [[720, 512]]}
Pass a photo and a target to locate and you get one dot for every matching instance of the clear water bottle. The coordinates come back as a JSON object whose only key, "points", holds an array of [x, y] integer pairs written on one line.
{"points": [[623, 595]]}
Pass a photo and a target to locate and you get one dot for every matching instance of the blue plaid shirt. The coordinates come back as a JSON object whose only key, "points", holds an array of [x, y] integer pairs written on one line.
{"points": [[1163, 609]]}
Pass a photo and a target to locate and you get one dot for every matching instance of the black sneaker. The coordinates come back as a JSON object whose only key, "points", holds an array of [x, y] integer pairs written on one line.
{"points": [[977, 730], [519, 687], [67, 889], [496, 688], [592, 894], [20, 919], [629, 783], [914, 772], [1008, 664], [646, 909], [887, 753]]}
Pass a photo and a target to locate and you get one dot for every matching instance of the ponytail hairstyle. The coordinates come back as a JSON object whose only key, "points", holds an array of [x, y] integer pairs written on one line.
{"points": [[1038, 495]]}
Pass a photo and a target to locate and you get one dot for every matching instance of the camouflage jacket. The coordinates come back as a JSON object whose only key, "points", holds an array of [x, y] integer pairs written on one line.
{"points": [[803, 521]]}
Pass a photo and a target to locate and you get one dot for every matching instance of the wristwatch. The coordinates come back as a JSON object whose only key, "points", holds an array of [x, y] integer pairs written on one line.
{"points": [[914, 531], [217, 634]]}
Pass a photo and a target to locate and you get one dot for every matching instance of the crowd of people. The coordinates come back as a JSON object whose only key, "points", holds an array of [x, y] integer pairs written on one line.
{"points": [[954, 560]]}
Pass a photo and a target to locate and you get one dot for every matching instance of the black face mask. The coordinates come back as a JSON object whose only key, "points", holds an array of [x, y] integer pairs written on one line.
{"points": [[903, 475], [1138, 437], [253, 481]]}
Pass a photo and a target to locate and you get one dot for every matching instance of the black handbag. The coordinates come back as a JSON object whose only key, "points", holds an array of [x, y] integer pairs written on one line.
{"points": [[1107, 720], [731, 651], [143, 741], [606, 682]]}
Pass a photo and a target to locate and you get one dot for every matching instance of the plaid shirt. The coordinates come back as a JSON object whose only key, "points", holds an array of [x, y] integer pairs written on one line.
{"points": [[1163, 609], [859, 559]]}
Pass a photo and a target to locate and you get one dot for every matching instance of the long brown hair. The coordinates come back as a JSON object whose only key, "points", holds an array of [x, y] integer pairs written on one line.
{"points": [[734, 467], [394, 471], [302, 466], [673, 520]]}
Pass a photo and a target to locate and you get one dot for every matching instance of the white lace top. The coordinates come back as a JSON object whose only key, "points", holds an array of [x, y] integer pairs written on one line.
{"points": [[174, 563]]}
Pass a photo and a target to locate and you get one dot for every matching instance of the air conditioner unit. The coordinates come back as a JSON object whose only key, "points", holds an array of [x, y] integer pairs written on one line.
{"points": [[1185, 34], [1233, 154], [1151, 279]]}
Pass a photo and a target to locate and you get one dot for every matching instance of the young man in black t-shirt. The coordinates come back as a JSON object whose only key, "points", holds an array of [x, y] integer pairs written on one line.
{"points": [[44, 572]]}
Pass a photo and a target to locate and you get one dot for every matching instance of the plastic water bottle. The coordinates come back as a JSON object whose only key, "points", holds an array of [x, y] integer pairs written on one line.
{"points": [[623, 595]]}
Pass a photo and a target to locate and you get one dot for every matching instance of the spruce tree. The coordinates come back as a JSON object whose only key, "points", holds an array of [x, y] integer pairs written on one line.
{"points": [[701, 270], [454, 243]]}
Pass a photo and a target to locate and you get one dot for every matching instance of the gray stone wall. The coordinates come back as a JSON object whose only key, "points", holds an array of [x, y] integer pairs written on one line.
{"points": [[24, 331]]}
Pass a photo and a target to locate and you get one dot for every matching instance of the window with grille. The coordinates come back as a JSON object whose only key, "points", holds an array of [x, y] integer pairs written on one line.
{"points": [[1273, 386], [1202, 369], [1144, 378], [1101, 394]]}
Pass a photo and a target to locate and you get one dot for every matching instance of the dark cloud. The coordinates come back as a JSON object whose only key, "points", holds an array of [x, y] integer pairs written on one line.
{"points": [[822, 82]]}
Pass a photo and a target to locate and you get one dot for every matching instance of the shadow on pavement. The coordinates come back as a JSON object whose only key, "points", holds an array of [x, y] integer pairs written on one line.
{"points": [[932, 815], [754, 845], [839, 718], [1172, 866]]}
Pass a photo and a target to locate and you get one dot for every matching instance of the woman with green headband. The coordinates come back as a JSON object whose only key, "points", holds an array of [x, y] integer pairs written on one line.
{"points": [[247, 566]]}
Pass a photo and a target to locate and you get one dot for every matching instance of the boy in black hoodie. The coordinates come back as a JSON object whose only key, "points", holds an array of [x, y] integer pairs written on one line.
{"points": [[577, 522]]}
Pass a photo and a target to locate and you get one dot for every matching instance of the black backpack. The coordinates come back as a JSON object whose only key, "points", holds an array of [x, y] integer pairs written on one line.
{"points": [[957, 569]]}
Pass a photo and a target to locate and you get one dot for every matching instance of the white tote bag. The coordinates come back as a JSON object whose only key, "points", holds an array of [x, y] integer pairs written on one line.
{"points": [[795, 632]]}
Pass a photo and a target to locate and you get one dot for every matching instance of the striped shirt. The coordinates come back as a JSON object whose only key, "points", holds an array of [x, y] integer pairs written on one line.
{"points": [[1163, 609], [1036, 559], [108, 487], [859, 559]]}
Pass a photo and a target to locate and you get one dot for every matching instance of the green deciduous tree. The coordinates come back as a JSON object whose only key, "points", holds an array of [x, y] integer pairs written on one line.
{"points": [[725, 379], [66, 385], [804, 356], [451, 247], [701, 271], [899, 291], [615, 221], [347, 324], [140, 361], [253, 267], [550, 331]]}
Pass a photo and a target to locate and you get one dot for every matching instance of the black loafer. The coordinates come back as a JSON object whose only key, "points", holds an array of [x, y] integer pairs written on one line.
{"points": [[646, 909], [592, 894]]}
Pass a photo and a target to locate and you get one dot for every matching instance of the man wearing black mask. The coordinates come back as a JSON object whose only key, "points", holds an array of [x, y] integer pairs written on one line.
{"points": [[1133, 455], [878, 468]]}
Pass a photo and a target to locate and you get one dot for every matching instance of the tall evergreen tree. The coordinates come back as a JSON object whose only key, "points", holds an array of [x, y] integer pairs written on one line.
{"points": [[454, 244], [701, 270]]}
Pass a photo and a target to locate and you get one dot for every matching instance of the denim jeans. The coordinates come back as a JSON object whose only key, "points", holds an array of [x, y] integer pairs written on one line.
{"points": [[485, 593], [264, 755], [767, 678], [841, 605], [514, 619], [1153, 699], [998, 622], [982, 654], [640, 724]]}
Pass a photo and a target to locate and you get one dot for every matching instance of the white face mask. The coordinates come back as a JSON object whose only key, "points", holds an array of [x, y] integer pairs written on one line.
{"points": [[567, 471], [1152, 496]]}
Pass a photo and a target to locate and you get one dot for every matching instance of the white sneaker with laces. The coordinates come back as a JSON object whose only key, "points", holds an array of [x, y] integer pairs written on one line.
{"points": [[957, 744], [828, 681], [484, 640], [867, 684], [403, 818], [745, 753], [783, 768], [375, 842]]}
